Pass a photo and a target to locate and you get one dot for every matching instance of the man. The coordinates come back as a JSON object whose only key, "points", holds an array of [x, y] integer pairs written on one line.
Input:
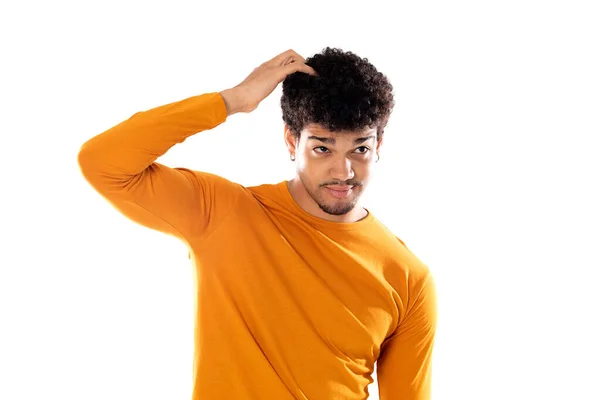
{"points": [[299, 289]]}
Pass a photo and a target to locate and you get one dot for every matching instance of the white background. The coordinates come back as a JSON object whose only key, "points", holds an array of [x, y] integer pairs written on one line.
{"points": [[489, 173]]}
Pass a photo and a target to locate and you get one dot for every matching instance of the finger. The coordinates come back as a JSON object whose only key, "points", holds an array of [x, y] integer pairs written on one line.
{"points": [[286, 57], [294, 59], [299, 67]]}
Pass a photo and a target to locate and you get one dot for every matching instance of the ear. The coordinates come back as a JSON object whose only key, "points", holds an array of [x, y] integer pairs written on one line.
{"points": [[290, 139], [379, 143]]}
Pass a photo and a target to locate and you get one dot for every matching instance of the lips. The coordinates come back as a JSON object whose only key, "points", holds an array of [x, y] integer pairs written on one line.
{"points": [[339, 192]]}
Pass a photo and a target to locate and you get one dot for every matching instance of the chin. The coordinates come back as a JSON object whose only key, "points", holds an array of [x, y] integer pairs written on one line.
{"points": [[328, 202], [337, 209]]}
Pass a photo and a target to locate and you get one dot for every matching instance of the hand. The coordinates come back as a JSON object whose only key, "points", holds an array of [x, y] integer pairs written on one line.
{"points": [[247, 95]]}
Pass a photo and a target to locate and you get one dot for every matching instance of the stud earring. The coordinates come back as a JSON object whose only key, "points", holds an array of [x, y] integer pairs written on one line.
{"points": [[292, 157]]}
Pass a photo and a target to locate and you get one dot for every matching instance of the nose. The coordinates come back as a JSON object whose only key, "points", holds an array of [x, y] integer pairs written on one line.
{"points": [[342, 169]]}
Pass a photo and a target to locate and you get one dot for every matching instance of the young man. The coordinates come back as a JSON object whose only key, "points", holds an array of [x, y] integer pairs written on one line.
{"points": [[299, 289]]}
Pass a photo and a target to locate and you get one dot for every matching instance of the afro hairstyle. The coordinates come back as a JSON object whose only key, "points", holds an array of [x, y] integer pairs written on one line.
{"points": [[347, 94]]}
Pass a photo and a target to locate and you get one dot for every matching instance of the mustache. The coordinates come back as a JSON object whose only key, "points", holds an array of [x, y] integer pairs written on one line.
{"points": [[338, 183]]}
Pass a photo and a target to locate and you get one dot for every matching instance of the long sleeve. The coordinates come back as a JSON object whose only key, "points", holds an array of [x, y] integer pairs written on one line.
{"points": [[404, 367], [120, 165]]}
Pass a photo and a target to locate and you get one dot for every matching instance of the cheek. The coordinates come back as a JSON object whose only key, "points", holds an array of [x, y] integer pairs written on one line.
{"points": [[364, 170], [361, 168], [317, 168], [310, 172], [303, 165], [313, 173], [310, 164]]}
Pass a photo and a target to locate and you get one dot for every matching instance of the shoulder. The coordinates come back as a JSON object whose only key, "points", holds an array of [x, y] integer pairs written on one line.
{"points": [[399, 257], [404, 270]]}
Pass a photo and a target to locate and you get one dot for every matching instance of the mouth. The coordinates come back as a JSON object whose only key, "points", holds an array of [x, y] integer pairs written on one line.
{"points": [[339, 192]]}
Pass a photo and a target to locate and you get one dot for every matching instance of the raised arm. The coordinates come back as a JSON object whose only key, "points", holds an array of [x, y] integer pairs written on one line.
{"points": [[404, 366], [120, 163]]}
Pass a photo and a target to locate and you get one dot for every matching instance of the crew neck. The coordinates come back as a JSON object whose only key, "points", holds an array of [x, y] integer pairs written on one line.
{"points": [[316, 221]]}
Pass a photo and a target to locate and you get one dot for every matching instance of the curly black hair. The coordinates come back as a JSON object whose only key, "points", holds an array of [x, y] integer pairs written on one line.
{"points": [[348, 93]]}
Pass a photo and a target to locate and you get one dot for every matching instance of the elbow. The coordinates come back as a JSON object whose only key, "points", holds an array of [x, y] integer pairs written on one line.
{"points": [[84, 160]]}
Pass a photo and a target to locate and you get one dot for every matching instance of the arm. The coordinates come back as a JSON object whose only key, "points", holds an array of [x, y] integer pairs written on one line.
{"points": [[404, 367], [120, 165]]}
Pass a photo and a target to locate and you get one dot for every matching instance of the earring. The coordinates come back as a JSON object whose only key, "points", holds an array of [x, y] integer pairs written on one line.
{"points": [[377, 158], [292, 157]]}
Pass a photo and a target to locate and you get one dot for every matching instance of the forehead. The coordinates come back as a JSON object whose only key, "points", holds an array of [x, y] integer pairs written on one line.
{"points": [[320, 131]]}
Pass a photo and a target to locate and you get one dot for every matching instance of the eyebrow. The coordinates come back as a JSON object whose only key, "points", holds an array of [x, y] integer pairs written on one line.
{"points": [[332, 140]]}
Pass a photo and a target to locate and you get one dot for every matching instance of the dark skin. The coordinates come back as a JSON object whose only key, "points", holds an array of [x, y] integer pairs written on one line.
{"points": [[326, 160]]}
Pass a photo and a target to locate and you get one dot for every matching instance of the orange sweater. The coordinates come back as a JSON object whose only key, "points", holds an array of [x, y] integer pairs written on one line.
{"points": [[289, 306]]}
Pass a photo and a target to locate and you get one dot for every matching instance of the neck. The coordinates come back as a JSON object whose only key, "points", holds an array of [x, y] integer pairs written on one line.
{"points": [[306, 202]]}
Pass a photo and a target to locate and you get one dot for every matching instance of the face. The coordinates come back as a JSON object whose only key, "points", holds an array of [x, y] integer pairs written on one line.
{"points": [[334, 168]]}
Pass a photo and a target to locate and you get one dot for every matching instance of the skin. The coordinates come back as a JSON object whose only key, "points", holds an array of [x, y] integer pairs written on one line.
{"points": [[339, 160], [336, 160]]}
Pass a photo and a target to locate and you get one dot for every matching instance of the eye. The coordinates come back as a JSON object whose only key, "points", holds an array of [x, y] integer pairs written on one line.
{"points": [[325, 149], [363, 150]]}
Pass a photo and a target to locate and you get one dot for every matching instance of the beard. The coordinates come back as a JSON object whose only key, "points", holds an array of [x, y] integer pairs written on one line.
{"points": [[339, 207], [335, 209]]}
